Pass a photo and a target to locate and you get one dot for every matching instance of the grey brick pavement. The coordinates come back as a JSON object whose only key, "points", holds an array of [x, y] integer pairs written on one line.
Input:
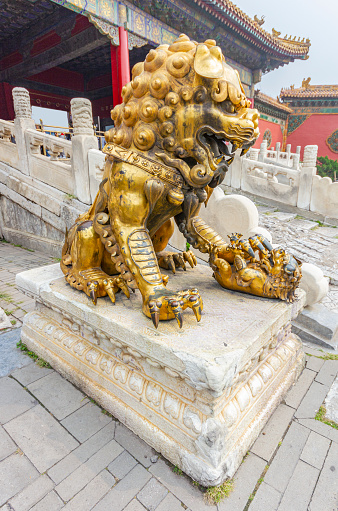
{"points": [[66, 454]]}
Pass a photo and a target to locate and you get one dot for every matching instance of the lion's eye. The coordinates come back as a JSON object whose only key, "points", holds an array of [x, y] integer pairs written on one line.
{"points": [[228, 106]]}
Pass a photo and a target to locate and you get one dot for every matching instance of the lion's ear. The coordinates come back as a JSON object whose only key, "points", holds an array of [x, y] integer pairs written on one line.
{"points": [[208, 61]]}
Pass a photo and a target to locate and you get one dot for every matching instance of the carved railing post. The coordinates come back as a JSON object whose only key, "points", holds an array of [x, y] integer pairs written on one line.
{"points": [[23, 121], [307, 171], [83, 139], [263, 151]]}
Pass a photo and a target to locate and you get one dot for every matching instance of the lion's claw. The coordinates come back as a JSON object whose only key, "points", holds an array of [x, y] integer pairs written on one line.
{"points": [[95, 283], [154, 309], [172, 306]]}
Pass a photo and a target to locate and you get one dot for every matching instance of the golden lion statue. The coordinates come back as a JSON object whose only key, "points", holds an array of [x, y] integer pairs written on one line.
{"points": [[183, 116]]}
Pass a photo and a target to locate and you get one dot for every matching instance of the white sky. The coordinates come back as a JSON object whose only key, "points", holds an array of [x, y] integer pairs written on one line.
{"points": [[50, 116], [316, 19]]}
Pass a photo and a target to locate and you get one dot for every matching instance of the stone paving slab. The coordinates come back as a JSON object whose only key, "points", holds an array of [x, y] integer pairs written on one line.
{"points": [[40, 437], [312, 401], [92, 493], [81, 454], [169, 503], [88, 470], [320, 428], [315, 364], [118, 498], [135, 505], [16, 472], [11, 357], [134, 445], [315, 450], [30, 373], [152, 494], [300, 488], [59, 396], [32, 494], [273, 432], [180, 487], [286, 459], [14, 400], [85, 421], [245, 481], [7, 446], [122, 465], [325, 496], [266, 498], [327, 373], [50, 502], [297, 392]]}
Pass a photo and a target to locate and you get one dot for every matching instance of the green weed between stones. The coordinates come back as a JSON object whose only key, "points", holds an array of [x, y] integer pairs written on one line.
{"points": [[6, 297], [321, 417], [259, 482], [32, 355], [216, 494], [70, 196], [327, 356], [24, 248], [177, 470], [97, 404]]}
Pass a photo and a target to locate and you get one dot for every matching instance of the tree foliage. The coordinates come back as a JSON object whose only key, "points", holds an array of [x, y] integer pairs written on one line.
{"points": [[327, 167]]}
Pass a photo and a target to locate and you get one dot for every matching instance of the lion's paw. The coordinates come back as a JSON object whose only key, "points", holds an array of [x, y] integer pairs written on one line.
{"points": [[171, 306], [96, 283]]}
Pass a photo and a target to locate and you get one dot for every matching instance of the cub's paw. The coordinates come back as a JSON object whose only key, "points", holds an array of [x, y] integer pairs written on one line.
{"points": [[172, 260]]}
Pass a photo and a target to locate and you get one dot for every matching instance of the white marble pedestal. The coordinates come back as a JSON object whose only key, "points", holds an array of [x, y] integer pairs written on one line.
{"points": [[199, 395]]}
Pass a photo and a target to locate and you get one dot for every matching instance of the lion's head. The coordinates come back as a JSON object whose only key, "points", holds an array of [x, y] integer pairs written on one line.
{"points": [[187, 107]]}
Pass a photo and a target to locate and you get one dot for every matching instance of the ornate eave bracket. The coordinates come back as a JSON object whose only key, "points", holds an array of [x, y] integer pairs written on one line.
{"points": [[112, 31]]}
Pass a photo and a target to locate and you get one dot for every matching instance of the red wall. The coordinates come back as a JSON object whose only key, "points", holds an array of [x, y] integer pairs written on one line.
{"points": [[276, 132], [314, 131]]}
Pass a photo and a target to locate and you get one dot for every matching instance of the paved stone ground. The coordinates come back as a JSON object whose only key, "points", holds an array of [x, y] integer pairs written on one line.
{"points": [[59, 450], [307, 240]]}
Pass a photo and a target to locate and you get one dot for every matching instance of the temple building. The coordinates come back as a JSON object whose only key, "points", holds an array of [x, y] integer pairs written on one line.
{"points": [[60, 49], [302, 116], [273, 119], [314, 117]]}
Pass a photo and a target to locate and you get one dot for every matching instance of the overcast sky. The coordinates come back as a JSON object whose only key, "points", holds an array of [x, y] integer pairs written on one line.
{"points": [[316, 19]]}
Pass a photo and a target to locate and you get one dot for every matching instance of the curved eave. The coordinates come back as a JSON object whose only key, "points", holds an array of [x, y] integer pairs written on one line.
{"points": [[311, 93], [239, 22], [267, 100]]}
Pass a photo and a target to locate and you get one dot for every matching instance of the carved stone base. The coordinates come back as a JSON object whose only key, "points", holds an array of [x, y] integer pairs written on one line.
{"points": [[199, 395]]}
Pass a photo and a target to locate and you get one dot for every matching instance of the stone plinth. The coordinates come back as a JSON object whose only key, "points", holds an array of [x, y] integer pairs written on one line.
{"points": [[199, 395]]}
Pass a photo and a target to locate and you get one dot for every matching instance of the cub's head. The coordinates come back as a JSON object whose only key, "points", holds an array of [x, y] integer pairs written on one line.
{"points": [[186, 106]]}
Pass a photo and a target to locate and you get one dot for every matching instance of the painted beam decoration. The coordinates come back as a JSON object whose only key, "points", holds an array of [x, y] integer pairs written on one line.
{"points": [[135, 20], [142, 28]]}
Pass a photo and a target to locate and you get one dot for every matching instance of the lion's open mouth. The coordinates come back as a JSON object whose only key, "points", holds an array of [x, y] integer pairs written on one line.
{"points": [[217, 146]]}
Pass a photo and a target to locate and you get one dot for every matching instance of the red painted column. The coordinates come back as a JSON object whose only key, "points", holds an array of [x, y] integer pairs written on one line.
{"points": [[115, 75], [6, 102], [123, 58]]}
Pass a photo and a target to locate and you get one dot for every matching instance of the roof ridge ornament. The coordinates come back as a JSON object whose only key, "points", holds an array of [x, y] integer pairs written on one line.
{"points": [[306, 83], [260, 21]]}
